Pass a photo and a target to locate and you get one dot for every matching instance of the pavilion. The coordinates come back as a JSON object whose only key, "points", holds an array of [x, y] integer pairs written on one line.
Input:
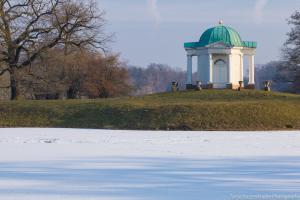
{"points": [[220, 52]]}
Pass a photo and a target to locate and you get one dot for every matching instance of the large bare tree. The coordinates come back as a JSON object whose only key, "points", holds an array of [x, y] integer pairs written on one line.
{"points": [[291, 52], [31, 27]]}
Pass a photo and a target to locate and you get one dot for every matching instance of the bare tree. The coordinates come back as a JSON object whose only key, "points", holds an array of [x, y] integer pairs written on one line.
{"points": [[31, 27], [80, 73], [291, 51], [106, 77], [155, 78]]}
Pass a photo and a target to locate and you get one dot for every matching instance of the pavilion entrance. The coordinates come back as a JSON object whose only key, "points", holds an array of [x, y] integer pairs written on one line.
{"points": [[220, 74]]}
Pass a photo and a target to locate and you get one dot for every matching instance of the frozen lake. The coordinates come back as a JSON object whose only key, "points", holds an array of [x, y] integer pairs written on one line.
{"points": [[53, 164]]}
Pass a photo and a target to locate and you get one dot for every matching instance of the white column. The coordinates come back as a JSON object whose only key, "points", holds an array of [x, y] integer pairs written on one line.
{"points": [[251, 70], [189, 71], [210, 68], [199, 68], [229, 68], [242, 67]]}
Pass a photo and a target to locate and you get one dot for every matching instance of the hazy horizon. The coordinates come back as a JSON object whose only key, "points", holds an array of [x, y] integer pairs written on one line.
{"points": [[148, 31]]}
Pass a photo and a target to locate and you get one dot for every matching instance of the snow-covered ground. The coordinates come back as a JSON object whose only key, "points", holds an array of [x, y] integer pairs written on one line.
{"points": [[70, 164]]}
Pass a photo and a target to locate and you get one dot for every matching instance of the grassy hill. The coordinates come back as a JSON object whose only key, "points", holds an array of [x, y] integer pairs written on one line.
{"points": [[189, 110]]}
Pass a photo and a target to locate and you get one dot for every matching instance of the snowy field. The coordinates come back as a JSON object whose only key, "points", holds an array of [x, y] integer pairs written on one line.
{"points": [[70, 164]]}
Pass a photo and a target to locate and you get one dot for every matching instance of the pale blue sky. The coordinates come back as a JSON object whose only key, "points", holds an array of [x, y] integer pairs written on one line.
{"points": [[155, 30]]}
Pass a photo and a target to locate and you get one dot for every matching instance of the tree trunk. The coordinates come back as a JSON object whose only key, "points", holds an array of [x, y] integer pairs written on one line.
{"points": [[13, 87]]}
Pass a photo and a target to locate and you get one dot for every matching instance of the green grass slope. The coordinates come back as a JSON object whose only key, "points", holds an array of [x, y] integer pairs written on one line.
{"points": [[189, 110]]}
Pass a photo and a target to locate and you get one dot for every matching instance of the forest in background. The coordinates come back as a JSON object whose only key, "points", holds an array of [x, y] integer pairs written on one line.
{"points": [[53, 49]]}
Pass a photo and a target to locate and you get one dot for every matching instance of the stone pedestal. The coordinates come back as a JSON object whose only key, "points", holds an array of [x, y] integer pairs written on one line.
{"points": [[267, 86], [198, 86], [175, 86]]}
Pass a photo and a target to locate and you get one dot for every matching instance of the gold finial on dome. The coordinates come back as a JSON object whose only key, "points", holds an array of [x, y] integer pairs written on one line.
{"points": [[221, 22]]}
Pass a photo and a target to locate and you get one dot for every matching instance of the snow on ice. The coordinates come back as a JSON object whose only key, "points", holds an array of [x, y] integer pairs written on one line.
{"points": [[52, 164]]}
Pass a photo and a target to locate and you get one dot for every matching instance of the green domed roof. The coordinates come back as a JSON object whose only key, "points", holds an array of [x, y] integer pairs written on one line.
{"points": [[221, 34]]}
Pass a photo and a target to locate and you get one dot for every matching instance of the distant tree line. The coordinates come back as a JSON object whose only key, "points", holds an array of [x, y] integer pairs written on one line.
{"points": [[285, 74], [155, 78], [279, 76]]}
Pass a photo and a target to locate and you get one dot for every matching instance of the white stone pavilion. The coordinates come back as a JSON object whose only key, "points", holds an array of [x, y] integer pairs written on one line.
{"points": [[220, 53]]}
